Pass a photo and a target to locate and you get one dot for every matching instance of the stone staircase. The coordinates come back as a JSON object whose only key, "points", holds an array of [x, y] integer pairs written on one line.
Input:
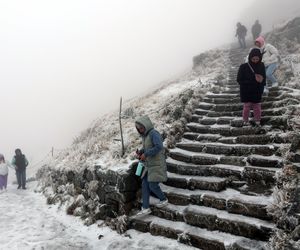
{"points": [[221, 175]]}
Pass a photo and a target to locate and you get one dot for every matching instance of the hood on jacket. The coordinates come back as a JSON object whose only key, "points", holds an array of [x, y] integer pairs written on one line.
{"points": [[145, 122], [255, 52], [260, 40]]}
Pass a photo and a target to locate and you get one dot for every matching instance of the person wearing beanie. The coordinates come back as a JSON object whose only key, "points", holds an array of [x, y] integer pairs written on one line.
{"points": [[270, 59], [252, 79], [153, 157], [20, 163], [3, 173]]}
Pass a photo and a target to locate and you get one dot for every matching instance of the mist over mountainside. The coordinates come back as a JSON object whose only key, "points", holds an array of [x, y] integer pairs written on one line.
{"points": [[270, 13]]}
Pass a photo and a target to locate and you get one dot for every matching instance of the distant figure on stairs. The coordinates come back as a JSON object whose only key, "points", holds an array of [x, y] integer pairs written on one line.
{"points": [[152, 154], [20, 162], [256, 30], [252, 79], [270, 59], [241, 32], [3, 173]]}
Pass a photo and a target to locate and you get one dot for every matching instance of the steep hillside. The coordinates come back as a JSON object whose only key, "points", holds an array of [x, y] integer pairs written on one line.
{"points": [[229, 186]]}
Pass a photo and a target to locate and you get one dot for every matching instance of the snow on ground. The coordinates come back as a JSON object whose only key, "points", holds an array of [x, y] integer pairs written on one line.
{"points": [[28, 223]]}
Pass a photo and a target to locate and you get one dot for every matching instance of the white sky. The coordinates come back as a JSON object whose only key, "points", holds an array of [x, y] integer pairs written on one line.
{"points": [[63, 63]]}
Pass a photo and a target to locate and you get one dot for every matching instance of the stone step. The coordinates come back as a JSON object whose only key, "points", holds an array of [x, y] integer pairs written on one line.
{"points": [[206, 159], [237, 100], [265, 175], [232, 84], [265, 112], [230, 200], [201, 137], [260, 139], [246, 173], [272, 91], [220, 220], [274, 121], [277, 137], [196, 182], [227, 149], [239, 106], [224, 130], [213, 159], [195, 236], [223, 96], [263, 161], [196, 158], [219, 170]]}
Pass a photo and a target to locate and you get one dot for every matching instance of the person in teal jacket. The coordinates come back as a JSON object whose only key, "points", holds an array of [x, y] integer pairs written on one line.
{"points": [[20, 163], [153, 156]]}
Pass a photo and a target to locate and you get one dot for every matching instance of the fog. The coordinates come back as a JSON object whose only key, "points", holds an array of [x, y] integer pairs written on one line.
{"points": [[270, 13], [65, 63]]}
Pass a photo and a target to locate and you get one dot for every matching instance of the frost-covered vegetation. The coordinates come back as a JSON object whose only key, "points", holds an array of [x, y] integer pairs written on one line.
{"points": [[169, 107]]}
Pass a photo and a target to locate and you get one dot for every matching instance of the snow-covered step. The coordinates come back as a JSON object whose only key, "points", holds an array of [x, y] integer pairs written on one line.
{"points": [[227, 149], [272, 91], [266, 112], [206, 159], [193, 157], [236, 100], [224, 130], [196, 182], [274, 121], [248, 173], [195, 236], [265, 161], [220, 95], [231, 200], [272, 137], [256, 174], [260, 139], [239, 106], [201, 137], [215, 219], [219, 170], [220, 107]]}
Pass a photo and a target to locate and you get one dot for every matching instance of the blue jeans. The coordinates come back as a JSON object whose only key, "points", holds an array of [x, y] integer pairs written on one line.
{"points": [[21, 178], [270, 69], [147, 188]]}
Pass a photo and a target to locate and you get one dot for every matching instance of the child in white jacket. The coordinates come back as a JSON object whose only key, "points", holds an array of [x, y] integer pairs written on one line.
{"points": [[3, 173]]}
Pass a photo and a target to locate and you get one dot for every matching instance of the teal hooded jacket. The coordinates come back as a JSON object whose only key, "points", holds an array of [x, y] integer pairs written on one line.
{"points": [[153, 150]]}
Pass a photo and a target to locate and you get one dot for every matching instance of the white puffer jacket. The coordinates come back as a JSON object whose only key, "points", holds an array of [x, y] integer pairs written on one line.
{"points": [[4, 168], [271, 54]]}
